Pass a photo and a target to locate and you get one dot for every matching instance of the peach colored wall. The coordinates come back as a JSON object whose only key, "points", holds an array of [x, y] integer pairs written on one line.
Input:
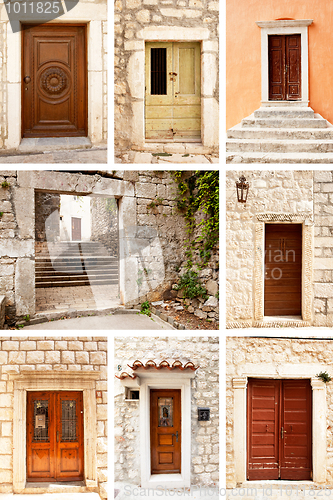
{"points": [[243, 46]]}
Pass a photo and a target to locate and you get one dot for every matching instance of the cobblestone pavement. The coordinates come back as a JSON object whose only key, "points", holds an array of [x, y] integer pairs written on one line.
{"points": [[93, 155], [58, 298], [138, 157]]}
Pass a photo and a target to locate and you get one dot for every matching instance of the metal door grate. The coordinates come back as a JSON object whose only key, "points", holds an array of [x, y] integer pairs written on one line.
{"points": [[158, 71], [68, 420], [41, 420]]}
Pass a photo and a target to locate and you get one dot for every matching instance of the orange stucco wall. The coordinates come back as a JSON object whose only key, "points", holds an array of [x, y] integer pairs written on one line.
{"points": [[243, 47]]}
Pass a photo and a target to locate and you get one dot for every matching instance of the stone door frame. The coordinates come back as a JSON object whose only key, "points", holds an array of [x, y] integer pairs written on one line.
{"points": [[67, 183], [285, 371], [259, 266], [285, 27], [54, 381], [136, 78], [84, 13], [164, 379]]}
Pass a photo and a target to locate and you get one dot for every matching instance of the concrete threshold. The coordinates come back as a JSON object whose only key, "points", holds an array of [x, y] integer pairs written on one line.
{"points": [[42, 144], [278, 490]]}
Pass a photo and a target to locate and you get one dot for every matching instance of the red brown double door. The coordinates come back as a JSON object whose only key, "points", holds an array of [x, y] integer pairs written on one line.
{"points": [[284, 54], [54, 436], [279, 420]]}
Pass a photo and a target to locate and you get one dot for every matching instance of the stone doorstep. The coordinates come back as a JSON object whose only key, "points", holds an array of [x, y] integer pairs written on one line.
{"points": [[35, 495], [255, 157], [42, 144], [177, 147]]}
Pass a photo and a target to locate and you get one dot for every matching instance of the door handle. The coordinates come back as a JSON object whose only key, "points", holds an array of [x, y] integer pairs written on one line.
{"points": [[176, 436], [282, 432], [57, 436], [27, 79]]}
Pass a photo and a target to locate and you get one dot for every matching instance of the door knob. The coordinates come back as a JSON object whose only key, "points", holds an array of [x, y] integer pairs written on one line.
{"points": [[176, 436], [27, 79]]}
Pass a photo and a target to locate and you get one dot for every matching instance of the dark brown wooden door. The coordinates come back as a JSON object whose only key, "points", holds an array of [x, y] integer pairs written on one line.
{"points": [[54, 81], [284, 54], [279, 426], [165, 431], [76, 229], [283, 270], [54, 436]]}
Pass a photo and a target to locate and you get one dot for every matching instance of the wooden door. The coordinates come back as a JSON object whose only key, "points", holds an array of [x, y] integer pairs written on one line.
{"points": [[284, 54], [54, 81], [283, 270], [76, 229], [173, 95], [54, 436], [165, 431], [279, 426]]}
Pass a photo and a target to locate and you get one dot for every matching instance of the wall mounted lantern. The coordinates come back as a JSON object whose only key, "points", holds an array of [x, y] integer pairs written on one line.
{"points": [[203, 414], [242, 189]]}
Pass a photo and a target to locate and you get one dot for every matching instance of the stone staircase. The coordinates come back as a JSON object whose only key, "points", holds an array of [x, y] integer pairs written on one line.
{"points": [[281, 134], [74, 264]]}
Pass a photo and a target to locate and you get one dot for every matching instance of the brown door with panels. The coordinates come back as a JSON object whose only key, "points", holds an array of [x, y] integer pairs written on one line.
{"points": [[279, 426], [54, 81], [54, 436], [165, 431], [283, 270], [76, 229], [284, 67]]}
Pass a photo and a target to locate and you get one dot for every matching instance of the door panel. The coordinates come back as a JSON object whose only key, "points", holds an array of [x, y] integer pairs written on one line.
{"points": [[165, 431], [284, 55], [54, 436], [54, 81], [283, 269], [279, 426], [173, 111]]}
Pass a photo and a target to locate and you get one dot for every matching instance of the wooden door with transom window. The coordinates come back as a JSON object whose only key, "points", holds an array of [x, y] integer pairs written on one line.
{"points": [[284, 67], [173, 95], [165, 431], [54, 436], [54, 81], [279, 423]]}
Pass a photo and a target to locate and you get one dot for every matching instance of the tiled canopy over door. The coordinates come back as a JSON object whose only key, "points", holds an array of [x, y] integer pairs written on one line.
{"points": [[173, 97]]}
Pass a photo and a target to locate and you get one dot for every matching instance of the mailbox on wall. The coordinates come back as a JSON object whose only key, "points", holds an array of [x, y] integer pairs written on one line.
{"points": [[203, 414]]}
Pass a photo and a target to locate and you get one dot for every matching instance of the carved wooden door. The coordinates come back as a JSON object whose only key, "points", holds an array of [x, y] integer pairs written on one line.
{"points": [[173, 95], [165, 431], [54, 81], [283, 270], [76, 229], [54, 436], [284, 67], [279, 434]]}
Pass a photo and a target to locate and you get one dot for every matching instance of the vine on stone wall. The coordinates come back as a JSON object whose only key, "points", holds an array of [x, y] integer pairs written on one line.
{"points": [[199, 191]]}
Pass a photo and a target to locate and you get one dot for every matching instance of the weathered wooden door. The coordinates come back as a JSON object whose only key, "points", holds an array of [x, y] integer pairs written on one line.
{"points": [[54, 81], [283, 270], [165, 431], [279, 439], [284, 67], [54, 436], [76, 229], [173, 96]]}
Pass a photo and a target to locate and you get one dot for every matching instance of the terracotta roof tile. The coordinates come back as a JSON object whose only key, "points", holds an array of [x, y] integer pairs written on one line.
{"points": [[124, 375], [163, 364]]}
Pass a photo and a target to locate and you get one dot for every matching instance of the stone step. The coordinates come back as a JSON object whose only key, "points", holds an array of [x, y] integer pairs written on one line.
{"points": [[80, 277], [257, 157], [77, 258], [238, 132], [276, 146], [87, 282], [281, 122], [284, 112], [42, 274]]}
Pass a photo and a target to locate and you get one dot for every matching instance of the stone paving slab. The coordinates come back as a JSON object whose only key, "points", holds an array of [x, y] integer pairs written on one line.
{"points": [[51, 496], [124, 491], [42, 144], [148, 157], [91, 156]]}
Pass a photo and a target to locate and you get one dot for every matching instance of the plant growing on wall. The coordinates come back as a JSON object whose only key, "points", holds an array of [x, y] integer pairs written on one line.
{"points": [[324, 376], [196, 192], [5, 184], [191, 286]]}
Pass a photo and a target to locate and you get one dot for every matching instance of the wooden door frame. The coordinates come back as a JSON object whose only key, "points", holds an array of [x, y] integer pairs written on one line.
{"points": [[284, 27], [164, 379], [307, 262], [286, 371], [54, 381]]}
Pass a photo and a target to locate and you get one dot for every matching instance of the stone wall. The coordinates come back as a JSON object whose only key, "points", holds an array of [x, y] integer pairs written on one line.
{"points": [[277, 192], [277, 356], [3, 83], [46, 353], [105, 79], [323, 244], [131, 18], [45, 205], [104, 223], [203, 351]]}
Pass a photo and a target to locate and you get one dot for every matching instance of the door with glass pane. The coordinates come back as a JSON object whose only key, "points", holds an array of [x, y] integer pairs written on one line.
{"points": [[54, 436], [173, 95], [165, 431]]}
